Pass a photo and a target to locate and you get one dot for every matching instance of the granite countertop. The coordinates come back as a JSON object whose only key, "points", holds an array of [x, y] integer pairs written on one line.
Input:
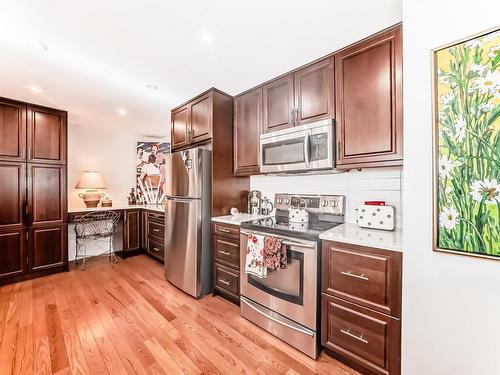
{"points": [[238, 219], [150, 207], [353, 234]]}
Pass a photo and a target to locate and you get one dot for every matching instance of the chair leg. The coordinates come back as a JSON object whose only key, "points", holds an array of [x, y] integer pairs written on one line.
{"points": [[84, 259], [112, 250]]}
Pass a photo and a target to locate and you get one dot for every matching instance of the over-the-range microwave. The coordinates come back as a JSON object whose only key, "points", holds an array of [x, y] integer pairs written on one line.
{"points": [[299, 149]]}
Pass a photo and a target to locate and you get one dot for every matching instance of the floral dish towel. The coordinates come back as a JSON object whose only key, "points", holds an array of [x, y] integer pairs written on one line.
{"points": [[254, 262], [274, 254]]}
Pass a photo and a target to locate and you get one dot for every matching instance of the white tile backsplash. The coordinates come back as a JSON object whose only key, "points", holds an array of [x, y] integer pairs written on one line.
{"points": [[358, 186]]}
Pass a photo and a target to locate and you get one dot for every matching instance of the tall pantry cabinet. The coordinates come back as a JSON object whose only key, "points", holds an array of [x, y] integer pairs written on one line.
{"points": [[33, 196]]}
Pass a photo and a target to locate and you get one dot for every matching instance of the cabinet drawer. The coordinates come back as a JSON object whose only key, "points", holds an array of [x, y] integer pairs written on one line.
{"points": [[227, 251], [227, 280], [367, 338], [366, 276], [156, 248], [156, 230], [158, 217], [227, 230]]}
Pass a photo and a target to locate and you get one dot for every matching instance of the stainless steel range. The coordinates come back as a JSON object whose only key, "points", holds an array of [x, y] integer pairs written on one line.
{"points": [[285, 302]]}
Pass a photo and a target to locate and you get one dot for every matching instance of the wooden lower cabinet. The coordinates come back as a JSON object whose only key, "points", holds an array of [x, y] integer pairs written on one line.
{"points": [[131, 230], [368, 340], [361, 306], [226, 261], [48, 247], [12, 252]]}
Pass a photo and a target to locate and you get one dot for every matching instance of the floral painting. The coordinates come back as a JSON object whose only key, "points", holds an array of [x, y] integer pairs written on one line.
{"points": [[467, 118]]}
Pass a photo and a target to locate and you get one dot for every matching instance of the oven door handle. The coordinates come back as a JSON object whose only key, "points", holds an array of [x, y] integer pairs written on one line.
{"points": [[256, 309], [283, 241]]}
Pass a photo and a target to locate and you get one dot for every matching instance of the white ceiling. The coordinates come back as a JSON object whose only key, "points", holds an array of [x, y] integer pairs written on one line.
{"points": [[102, 54]]}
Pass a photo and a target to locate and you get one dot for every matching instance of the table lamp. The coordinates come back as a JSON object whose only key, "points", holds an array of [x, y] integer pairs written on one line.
{"points": [[91, 181]]}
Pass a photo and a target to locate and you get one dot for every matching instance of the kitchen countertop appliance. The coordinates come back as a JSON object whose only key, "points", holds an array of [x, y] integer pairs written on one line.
{"points": [[187, 220], [285, 303]]}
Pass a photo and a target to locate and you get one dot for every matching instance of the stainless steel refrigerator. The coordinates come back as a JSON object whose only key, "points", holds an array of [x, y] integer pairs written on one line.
{"points": [[187, 220]]}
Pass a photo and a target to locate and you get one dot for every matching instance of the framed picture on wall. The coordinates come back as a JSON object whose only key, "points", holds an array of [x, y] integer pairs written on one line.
{"points": [[150, 170], [466, 120]]}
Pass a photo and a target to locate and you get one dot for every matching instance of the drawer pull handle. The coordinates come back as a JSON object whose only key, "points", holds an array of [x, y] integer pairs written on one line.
{"points": [[359, 338], [155, 230], [224, 230], [156, 249], [224, 281], [224, 252], [350, 274]]}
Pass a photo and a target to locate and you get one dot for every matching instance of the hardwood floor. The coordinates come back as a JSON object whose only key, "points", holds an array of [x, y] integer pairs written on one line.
{"points": [[126, 319]]}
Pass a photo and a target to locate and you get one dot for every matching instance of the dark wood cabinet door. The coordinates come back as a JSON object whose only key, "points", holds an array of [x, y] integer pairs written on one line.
{"points": [[314, 92], [12, 194], [201, 119], [12, 252], [180, 127], [368, 341], [132, 230], [47, 135], [48, 247], [363, 275], [247, 129], [12, 131], [47, 198], [368, 89], [278, 104]]}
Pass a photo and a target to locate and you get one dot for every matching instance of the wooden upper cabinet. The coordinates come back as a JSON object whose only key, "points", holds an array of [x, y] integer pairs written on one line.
{"points": [[12, 193], [47, 135], [314, 92], [278, 104], [368, 89], [201, 118], [46, 194], [180, 127], [247, 128], [12, 131], [180, 123]]}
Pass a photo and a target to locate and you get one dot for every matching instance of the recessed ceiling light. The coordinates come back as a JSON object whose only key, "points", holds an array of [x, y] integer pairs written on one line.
{"points": [[39, 45], [122, 111], [35, 89], [152, 87], [207, 38]]}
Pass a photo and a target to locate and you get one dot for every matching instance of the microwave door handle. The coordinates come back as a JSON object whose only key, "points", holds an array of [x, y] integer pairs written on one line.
{"points": [[307, 150]]}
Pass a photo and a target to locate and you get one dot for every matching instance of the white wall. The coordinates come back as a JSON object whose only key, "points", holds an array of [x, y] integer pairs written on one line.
{"points": [[112, 154], [451, 303], [358, 186]]}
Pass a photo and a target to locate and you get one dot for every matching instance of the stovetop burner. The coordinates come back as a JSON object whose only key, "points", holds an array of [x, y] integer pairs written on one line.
{"points": [[281, 226]]}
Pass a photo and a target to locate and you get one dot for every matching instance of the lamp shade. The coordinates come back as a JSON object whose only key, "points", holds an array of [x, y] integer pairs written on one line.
{"points": [[91, 180]]}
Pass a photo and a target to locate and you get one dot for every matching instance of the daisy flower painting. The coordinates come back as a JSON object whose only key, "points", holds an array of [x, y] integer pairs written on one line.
{"points": [[467, 146]]}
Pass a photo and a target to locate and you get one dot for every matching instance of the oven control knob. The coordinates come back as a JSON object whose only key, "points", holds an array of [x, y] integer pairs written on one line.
{"points": [[287, 201], [334, 203], [279, 200], [325, 203]]}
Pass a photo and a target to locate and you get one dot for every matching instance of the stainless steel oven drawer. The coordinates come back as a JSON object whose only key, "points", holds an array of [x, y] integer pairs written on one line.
{"points": [[287, 330]]}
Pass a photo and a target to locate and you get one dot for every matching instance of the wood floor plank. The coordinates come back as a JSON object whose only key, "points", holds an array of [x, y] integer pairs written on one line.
{"points": [[125, 318]]}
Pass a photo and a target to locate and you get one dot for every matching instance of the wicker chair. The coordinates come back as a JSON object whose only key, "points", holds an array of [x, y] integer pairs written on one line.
{"points": [[96, 227]]}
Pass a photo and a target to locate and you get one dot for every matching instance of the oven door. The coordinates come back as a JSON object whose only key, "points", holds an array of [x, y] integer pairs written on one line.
{"points": [[300, 148], [291, 292]]}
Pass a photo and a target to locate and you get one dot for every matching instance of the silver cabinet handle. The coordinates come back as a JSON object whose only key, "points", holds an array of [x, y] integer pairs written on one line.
{"points": [[223, 230], [224, 252], [155, 230], [292, 117], [296, 116], [156, 249], [359, 338], [224, 281], [350, 274]]}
